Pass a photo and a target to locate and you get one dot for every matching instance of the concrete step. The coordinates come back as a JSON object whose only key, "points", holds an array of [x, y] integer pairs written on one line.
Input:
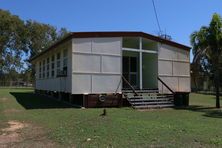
{"points": [[154, 95], [153, 106], [149, 100], [151, 103], [150, 97]]}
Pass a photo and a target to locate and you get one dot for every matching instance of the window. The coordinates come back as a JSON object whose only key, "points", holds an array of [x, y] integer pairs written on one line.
{"points": [[131, 42], [43, 69], [47, 68], [65, 61], [58, 64], [52, 66], [40, 70]]}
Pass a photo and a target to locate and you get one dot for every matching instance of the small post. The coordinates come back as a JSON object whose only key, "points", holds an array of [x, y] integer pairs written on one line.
{"points": [[70, 98], [104, 112], [60, 96]]}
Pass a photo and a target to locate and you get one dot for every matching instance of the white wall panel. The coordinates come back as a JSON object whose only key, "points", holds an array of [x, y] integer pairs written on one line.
{"points": [[165, 67], [82, 45], [181, 69], [183, 55], [56, 84], [163, 89], [184, 84], [106, 45], [167, 52], [81, 83], [86, 63], [98, 71], [174, 68], [111, 64], [105, 83], [37, 84], [172, 82]]}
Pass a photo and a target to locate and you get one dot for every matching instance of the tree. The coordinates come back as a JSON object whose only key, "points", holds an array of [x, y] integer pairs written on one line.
{"points": [[207, 48], [12, 41], [40, 36], [20, 40]]}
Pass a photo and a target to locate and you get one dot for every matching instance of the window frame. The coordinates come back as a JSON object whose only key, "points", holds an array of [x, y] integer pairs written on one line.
{"points": [[65, 62], [40, 70], [43, 69], [52, 66], [58, 64]]}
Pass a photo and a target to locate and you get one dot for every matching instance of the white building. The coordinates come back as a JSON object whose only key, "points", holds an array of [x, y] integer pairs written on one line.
{"points": [[93, 63]]}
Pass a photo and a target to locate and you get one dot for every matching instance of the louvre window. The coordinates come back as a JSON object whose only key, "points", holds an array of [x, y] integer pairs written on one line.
{"points": [[40, 70], [58, 64], [52, 66], [43, 69], [47, 68], [65, 61]]}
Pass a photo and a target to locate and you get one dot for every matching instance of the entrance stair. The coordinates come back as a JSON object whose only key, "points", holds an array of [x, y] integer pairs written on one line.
{"points": [[148, 99]]}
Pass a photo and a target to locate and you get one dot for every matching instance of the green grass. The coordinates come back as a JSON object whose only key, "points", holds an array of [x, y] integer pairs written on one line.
{"points": [[196, 126]]}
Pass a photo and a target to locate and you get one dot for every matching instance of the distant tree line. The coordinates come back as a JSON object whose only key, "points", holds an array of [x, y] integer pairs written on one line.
{"points": [[21, 40]]}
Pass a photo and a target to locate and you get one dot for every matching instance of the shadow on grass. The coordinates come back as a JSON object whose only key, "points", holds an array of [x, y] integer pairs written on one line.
{"points": [[207, 111], [30, 100]]}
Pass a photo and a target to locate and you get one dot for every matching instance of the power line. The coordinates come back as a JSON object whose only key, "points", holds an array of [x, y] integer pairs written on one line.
{"points": [[158, 23]]}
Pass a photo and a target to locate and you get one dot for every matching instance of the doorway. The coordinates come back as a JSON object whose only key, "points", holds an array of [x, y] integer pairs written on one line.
{"points": [[130, 71]]}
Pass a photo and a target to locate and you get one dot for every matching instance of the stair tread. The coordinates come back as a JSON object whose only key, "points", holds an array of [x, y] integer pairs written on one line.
{"points": [[138, 97], [153, 106], [150, 103], [148, 100]]}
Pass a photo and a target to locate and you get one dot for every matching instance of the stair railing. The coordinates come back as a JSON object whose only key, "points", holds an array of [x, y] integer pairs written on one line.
{"points": [[166, 85], [128, 83]]}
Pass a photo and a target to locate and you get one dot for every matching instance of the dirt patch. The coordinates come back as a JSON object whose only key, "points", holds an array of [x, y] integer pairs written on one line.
{"points": [[19, 134], [10, 134], [14, 126], [3, 99], [9, 138]]}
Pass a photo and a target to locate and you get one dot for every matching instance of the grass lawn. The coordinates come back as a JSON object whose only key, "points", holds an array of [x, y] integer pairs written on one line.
{"points": [[51, 123]]}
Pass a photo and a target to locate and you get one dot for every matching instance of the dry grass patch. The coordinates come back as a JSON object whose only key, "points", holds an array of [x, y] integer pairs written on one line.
{"points": [[19, 134]]}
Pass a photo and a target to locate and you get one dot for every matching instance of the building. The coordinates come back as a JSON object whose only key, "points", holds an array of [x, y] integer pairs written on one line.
{"points": [[94, 68]]}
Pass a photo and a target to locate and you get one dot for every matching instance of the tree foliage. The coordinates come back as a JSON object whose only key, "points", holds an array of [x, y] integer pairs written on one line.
{"points": [[20, 40], [207, 49], [40, 36], [12, 41]]}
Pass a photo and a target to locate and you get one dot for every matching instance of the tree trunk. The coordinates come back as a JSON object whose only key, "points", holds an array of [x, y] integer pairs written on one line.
{"points": [[195, 83], [217, 96], [217, 86]]}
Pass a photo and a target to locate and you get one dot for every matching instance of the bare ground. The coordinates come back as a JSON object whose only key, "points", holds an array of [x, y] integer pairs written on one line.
{"points": [[18, 134]]}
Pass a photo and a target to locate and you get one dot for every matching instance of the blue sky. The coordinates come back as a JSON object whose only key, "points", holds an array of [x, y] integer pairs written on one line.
{"points": [[178, 18]]}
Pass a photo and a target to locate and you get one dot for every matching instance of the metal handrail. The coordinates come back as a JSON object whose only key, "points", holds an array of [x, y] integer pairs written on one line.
{"points": [[134, 91], [166, 85]]}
